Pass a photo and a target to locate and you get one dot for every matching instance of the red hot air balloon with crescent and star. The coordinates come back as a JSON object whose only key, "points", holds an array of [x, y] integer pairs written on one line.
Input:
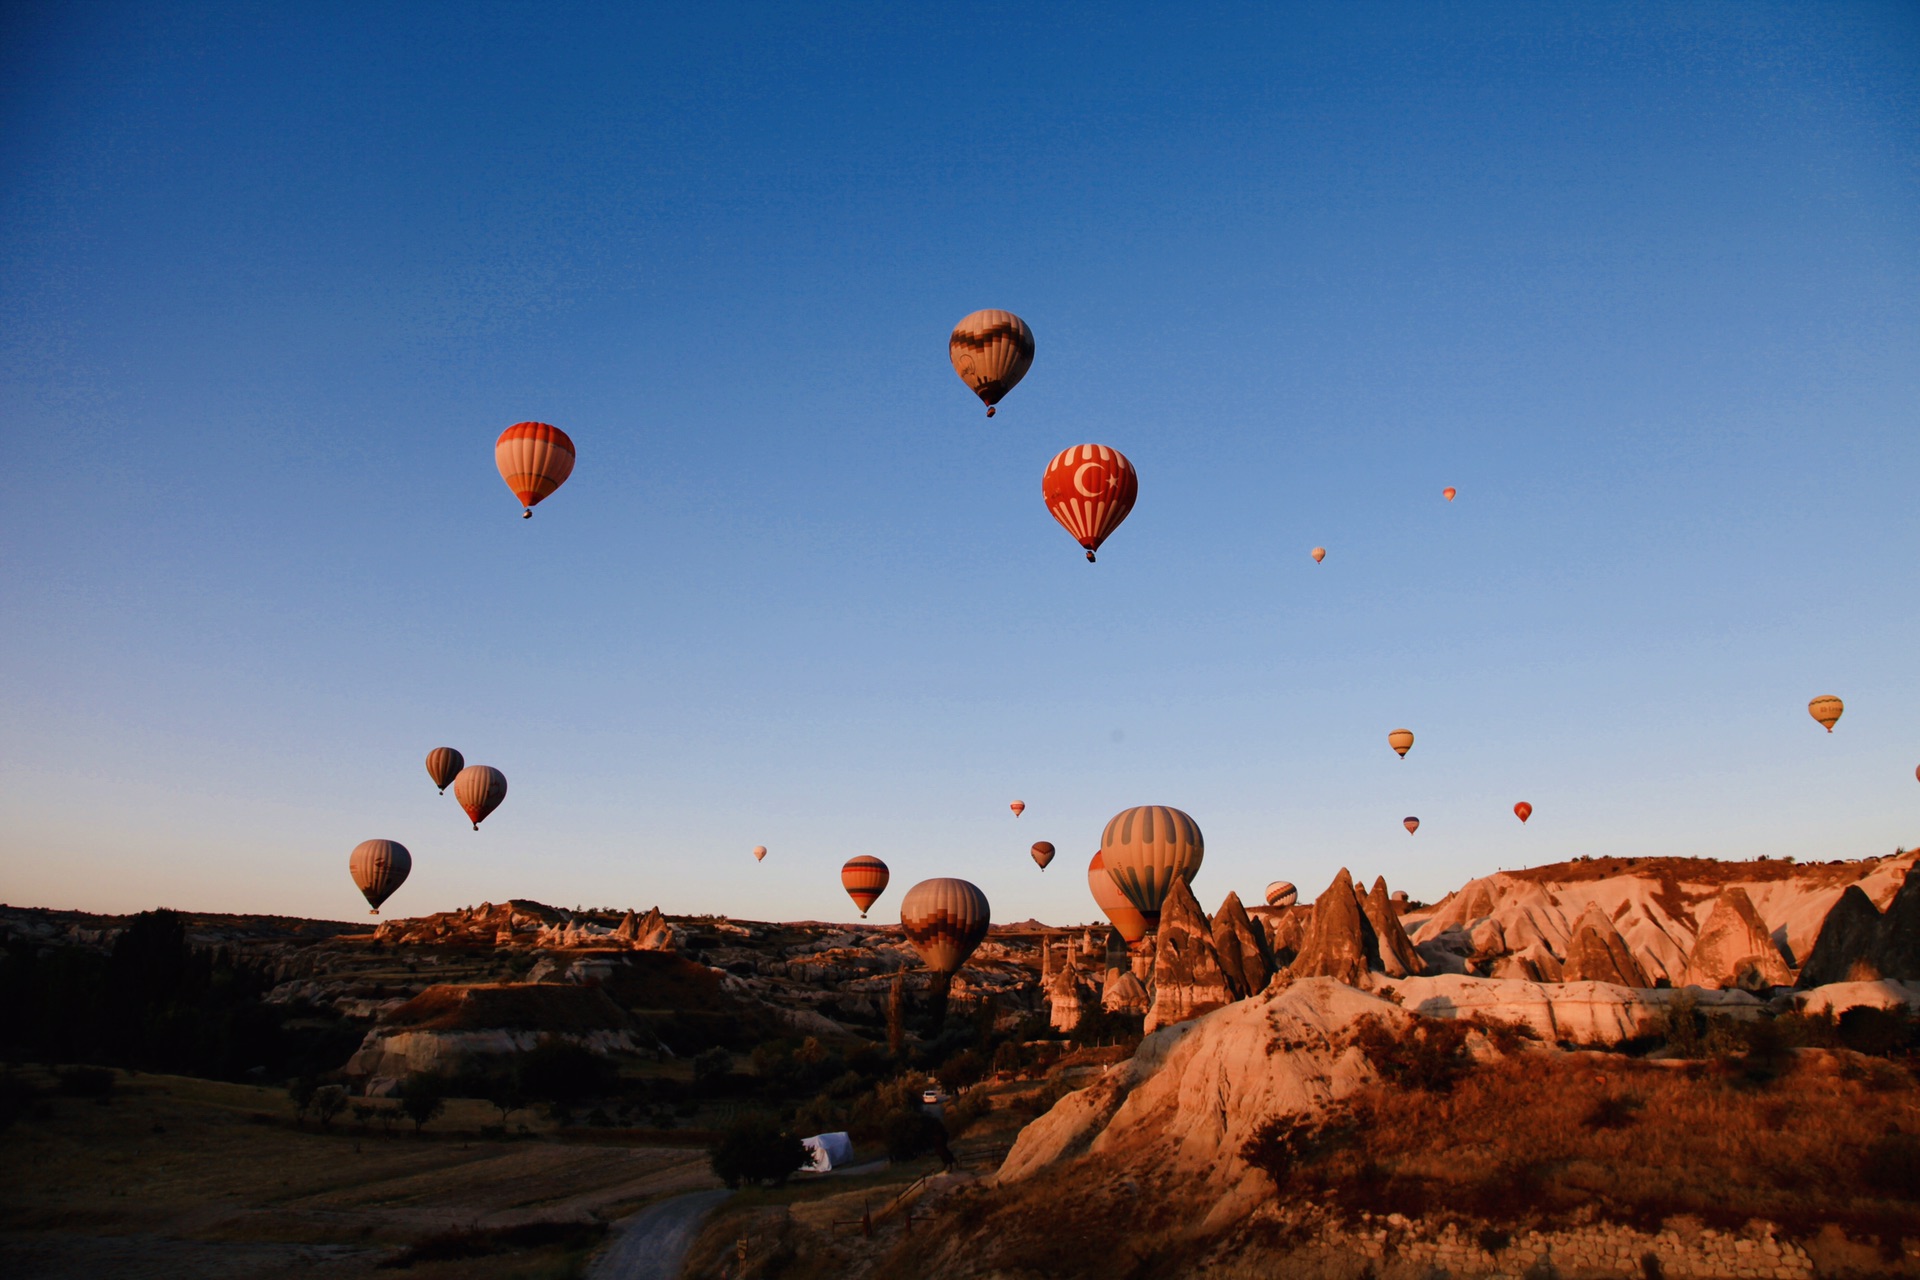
{"points": [[534, 459], [991, 351], [443, 765], [1089, 489], [865, 879], [378, 868], [1523, 811], [480, 788], [1126, 917]]}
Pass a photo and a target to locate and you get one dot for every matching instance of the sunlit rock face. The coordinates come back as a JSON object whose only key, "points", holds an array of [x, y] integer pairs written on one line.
{"points": [[1339, 942], [1188, 977], [1597, 953], [1398, 959], [1859, 943], [1123, 993], [1735, 948], [1243, 949]]}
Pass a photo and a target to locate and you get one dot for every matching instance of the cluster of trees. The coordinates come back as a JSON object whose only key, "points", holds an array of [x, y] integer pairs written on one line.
{"points": [[155, 1002]]}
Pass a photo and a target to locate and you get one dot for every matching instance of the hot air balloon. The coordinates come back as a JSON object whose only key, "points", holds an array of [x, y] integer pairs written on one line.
{"points": [[945, 920], [865, 879], [379, 867], [1090, 488], [479, 788], [534, 459], [442, 764], [1448, 493], [1318, 554], [991, 351], [1523, 811], [1412, 824], [1019, 807], [1043, 853], [1826, 709], [1401, 740], [1281, 893], [1127, 920], [759, 852], [1145, 848]]}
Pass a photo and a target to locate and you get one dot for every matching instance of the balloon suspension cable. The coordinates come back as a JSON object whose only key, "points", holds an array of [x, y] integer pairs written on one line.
{"points": [[527, 514]]}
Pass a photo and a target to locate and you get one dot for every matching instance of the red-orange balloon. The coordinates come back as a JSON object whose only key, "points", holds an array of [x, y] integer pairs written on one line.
{"points": [[1448, 493], [1523, 811], [1411, 824], [534, 459], [1019, 807], [1318, 554], [865, 879], [1125, 916], [1089, 489]]}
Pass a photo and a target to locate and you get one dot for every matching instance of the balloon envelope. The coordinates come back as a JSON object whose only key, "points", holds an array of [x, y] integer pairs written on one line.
{"points": [[534, 459], [479, 788], [1401, 740], [1145, 848], [865, 879], [1411, 824], [379, 867], [1826, 709], [1281, 893], [1448, 493], [1126, 917], [1089, 489], [1523, 811], [991, 351], [1019, 807], [944, 920], [759, 852], [443, 763], [1318, 554], [1043, 853]]}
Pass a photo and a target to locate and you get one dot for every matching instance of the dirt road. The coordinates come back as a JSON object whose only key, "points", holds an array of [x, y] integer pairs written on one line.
{"points": [[653, 1244]]}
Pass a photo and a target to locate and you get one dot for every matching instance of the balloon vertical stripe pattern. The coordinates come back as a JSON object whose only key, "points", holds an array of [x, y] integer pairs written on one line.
{"points": [[534, 459], [1090, 488], [379, 867], [443, 765], [480, 788], [991, 351], [1145, 848]]}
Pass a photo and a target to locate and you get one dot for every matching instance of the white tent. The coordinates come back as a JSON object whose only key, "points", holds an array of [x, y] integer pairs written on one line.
{"points": [[826, 1151]]}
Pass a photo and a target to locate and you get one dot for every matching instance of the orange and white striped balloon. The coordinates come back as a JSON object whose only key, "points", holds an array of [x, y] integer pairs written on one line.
{"points": [[534, 459], [1090, 489], [991, 351], [865, 879]]}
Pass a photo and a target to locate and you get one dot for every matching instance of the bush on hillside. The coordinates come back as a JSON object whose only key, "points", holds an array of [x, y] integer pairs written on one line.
{"points": [[560, 1071], [754, 1149], [1428, 1055]]}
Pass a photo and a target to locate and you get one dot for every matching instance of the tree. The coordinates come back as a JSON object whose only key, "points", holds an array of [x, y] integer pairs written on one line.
{"points": [[300, 1092], [754, 1149], [506, 1097], [709, 1065], [328, 1101], [423, 1099], [897, 1018], [567, 1073]]}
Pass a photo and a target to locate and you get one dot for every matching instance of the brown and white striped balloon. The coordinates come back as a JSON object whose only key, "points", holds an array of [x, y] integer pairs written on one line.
{"points": [[443, 765], [378, 868], [945, 920], [991, 351], [480, 788]]}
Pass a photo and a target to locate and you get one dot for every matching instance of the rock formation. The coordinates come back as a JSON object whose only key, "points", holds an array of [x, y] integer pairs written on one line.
{"points": [[1599, 954], [1243, 949], [1735, 949], [1859, 943], [1339, 941], [1123, 993], [1188, 978], [1070, 997], [1397, 956]]}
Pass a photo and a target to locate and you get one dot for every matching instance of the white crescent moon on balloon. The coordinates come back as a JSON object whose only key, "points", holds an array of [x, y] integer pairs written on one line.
{"points": [[1080, 481]]}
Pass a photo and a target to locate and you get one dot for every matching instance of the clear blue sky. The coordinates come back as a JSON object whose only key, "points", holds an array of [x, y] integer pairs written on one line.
{"points": [[1643, 282]]}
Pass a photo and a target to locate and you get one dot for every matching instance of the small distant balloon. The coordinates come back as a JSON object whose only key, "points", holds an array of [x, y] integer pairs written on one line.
{"points": [[991, 351], [1412, 824], [534, 459], [759, 852], [1090, 489], [1827, 710], [443, 763], [1401, 740], [1448, 493], [1019, 807], [1281, 893], [1318, 554], [479, 788], [1043, 853], [378, 868], [1523, 811], [865, 879]]}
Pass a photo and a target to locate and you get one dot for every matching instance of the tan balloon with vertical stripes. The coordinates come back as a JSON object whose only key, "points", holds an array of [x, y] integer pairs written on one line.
{"points": [[991, 351], [1090, 489], [945, 920], [1826, 709], [480, 788], [1145, 848], [443, 765], [534, 458], [378, 868]]}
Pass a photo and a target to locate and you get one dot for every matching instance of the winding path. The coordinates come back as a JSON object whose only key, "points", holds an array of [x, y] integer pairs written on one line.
{"points": [[653, 1244]]}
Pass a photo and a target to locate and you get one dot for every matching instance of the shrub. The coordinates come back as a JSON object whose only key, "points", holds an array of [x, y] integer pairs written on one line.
{"points": [[1679, 1026], [423, 1099], [910, 1133], [1430, 1055], [711, 1065], [1286, 1146], [1891, 1163], [561, 1071], [754, 1149], [1875, 1032], [86, 1082], [961, 1070], [329, 1100], [1616, 1111]]}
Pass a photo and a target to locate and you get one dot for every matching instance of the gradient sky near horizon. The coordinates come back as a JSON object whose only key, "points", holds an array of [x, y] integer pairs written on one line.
{"points": [[1642, 281]]}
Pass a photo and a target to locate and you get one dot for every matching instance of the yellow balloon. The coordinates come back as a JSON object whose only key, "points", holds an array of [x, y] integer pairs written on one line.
{"points": [[1401, 740], [1826, 709]]}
